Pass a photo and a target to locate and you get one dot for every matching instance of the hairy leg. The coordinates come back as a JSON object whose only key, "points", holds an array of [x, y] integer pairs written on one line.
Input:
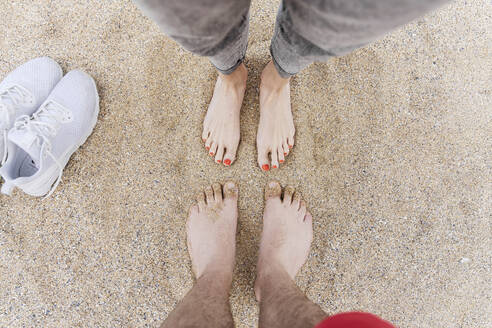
{"points": [[206, 305], [211, 230], [282, 303], [285, 242]]}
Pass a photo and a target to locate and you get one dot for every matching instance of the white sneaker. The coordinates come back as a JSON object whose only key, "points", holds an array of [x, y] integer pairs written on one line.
{"points": [[23, 91], [40, 146]]}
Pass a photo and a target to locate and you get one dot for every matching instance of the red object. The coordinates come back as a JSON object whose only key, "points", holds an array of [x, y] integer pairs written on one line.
{"points": [[281, 161], [290, 146], [354, 320], [208, 148], [211, 154], [265, 167], [275, 166], [218, 161], [285, 154], [227, 162]]}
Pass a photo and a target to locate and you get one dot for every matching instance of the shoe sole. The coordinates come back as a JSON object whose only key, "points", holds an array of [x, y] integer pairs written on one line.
{"points": [[42, 185]]}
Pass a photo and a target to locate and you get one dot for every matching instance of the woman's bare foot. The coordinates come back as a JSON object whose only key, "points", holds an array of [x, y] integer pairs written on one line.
{"points": [[276, 129], [211, 230], [221, 125], [287, 234]]}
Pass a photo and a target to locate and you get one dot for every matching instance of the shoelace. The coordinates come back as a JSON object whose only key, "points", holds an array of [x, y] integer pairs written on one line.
{"points": [[17, 96], [45, 124]]}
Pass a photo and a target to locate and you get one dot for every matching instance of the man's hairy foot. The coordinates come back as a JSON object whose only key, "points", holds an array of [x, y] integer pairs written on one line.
{"points": [[276, 129], [287, 233], [211, 231], [221, 124]]}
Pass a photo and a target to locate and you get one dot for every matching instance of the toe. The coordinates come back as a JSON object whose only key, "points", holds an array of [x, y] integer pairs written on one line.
{"points": [[209, 194], [213, 149], [263, 161], [200, 198], [308, 218], [273, 190], [290, 142], [194, 210], [296, 201], [220, 154], [281, 156], [230, 190], [285, 148], [217, 188], [208, 143], [288, 192], [230, 156], [274, 159], [308, 224], [205, 134], [302, 209]]}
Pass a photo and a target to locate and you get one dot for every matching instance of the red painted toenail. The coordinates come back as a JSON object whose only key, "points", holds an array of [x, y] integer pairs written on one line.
{"points": [[285, 154], [207, 147], [227, 162], [290, 146], [281, 160], [265, 167], [275, 166], [211, 154], [218, 161]]}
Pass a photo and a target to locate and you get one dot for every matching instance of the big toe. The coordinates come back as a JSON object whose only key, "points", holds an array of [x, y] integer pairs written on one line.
{"points": [[230, 155], [273, 190], [263, 160], [230, 190]]}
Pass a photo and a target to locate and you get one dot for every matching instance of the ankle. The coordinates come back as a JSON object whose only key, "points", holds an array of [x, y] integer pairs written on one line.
{"points": [[221, 269], [269, 271], [220, 280], [269, 278], [237, 78], [271, 79]]}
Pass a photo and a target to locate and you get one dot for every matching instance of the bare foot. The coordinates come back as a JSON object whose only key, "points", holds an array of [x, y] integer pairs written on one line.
{"points": [[276, 129], [221, 124], [211, 230], [287, 233]]}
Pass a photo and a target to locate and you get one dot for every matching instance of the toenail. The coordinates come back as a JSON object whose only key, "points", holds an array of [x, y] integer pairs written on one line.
{"points": [[285, 154], [211, 154], [273, 184], [204, 139], [265, 167], [274, 166], [207, 147], [227, 162], [281, 161], [290, 146], [218, 161]]}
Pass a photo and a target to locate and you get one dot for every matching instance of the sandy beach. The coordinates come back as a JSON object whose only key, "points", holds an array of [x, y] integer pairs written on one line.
{"points": [[393, 156]]}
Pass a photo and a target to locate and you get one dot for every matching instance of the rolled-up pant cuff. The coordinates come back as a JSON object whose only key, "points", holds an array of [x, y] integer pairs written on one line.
{"points": [[290, 51], [230, 52], [283, 73], [229, 70]]}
